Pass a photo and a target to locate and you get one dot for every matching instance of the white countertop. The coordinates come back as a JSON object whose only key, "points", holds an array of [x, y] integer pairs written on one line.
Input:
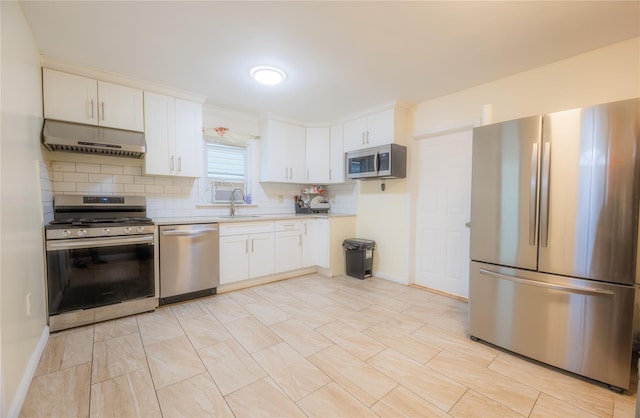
{"points": [[246, 218]]}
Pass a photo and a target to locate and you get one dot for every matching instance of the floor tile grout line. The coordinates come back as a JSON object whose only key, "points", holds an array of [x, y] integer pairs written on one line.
{"points": [[203, 364]]}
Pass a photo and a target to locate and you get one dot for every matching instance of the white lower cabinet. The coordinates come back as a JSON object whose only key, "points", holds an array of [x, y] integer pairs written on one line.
{"points": [[288, 245], [261, 254], [246, 251], [309, 242]]}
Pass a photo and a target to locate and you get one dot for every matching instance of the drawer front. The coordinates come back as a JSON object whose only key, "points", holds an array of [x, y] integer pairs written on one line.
{"points": [[242, 228], [290, 225]]}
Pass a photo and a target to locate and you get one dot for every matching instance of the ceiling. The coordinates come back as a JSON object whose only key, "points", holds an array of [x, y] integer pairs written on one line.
{"points": [[340, 57]]}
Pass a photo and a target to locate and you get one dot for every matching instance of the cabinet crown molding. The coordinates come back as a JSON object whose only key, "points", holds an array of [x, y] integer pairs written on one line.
{"points": [[121, 80]]}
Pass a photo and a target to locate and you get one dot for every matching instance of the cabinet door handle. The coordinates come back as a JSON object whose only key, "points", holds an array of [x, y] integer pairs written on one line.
{"points": [[330, 178], [246, 246], [363, 138], [300, 240], [180, 163], [102, 104], [367, 137], [91, 102], [286, 173], [171, 160], [252, 245]]}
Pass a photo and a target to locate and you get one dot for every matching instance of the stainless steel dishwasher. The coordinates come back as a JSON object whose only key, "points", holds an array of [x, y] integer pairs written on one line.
{"points": [[189, 261]]}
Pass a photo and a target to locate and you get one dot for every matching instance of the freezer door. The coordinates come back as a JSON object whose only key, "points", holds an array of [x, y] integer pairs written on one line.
{"points": [[590, 179], [504, 193], [578, 325]]}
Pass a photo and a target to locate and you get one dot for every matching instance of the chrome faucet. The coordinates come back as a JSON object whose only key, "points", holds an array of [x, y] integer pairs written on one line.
{"points": [[233, 200]]}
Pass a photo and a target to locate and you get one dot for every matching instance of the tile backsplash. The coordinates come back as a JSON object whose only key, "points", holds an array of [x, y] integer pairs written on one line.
{"points": [[174, 197]]}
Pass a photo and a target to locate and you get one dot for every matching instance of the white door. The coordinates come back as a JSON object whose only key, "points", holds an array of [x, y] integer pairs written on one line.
{"points": [[234, 258], [309, 242], [69, 97], [288, 255], [159, 119], [189, 145], [261, 259], [380, 128], [443, 208], [120, 107]]}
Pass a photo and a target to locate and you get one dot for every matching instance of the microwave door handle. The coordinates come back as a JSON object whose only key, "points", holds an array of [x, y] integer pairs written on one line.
{"points": [[375, 162]]}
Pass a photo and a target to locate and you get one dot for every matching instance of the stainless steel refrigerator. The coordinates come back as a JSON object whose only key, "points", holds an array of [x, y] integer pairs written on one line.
{"points": [[554, 237]]}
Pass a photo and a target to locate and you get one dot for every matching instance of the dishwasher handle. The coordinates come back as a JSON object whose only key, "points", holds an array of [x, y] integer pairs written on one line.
{"points": [[187, 232]]}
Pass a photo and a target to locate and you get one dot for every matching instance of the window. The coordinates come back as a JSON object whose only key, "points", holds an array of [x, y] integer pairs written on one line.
{"points": [[226, 171]]}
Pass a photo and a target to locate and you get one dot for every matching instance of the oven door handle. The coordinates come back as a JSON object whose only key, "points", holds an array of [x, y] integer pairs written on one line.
{"points": [[98, 242]]}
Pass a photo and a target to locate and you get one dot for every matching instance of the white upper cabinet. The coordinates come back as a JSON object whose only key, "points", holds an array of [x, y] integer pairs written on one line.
{"points": [[189, 144], [73, 98], [336, 153], [384, 127], [318, 155], [283, 153], [160, 133], [354, 134], [173, 135]]}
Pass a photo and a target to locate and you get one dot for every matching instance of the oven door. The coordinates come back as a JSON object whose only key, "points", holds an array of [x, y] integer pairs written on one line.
{"points": [[87, 273]]}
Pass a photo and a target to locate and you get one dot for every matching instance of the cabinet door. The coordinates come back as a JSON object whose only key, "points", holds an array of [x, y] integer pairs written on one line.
{"points": [[234, 258], [120, 107], [336, 157], [261, 261], [295, 154], [160, 133], [318, 155], [380, 128], [69, 97], [322, 243], [288, 251], [354, 134], [272, 152], [309, 240], [189, 145]]}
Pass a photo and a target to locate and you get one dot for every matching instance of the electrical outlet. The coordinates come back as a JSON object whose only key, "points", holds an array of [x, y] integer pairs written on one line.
{"points": [[280, 198], [28, 301]]}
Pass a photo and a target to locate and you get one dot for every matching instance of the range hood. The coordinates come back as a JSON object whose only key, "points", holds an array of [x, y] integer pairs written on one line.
{"points": [[88, 139]]}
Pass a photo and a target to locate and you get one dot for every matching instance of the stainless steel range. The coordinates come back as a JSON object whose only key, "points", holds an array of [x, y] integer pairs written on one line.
{"points": [[100, 259]]}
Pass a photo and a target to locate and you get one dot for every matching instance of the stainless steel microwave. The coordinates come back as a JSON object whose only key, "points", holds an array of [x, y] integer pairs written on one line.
{"points": [[382, 162]]}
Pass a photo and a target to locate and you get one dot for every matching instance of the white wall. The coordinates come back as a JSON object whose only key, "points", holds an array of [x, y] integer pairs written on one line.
{"points": [[21, 221], [599, 76]]}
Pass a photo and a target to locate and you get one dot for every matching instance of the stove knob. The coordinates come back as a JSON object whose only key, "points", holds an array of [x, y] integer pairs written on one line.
{"points": [[64, 234], [127, 230], [140, 229], [82, 232], [106, 231]]}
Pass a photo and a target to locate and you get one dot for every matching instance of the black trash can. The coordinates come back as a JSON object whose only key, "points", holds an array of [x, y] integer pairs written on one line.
{"points": [[359, 257]]}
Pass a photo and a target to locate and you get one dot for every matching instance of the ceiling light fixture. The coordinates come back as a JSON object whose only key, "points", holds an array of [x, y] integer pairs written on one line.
{"points": [[268, 75]]}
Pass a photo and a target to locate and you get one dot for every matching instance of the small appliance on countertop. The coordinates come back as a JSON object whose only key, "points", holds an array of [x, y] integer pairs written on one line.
{"points": [[312, 200]]}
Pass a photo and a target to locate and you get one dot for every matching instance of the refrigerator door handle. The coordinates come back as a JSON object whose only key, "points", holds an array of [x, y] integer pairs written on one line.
{"points": [[533, 189], [573, 289], [544, 195]]}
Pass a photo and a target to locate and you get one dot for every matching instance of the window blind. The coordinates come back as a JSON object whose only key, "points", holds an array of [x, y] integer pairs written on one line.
{"points": [[226, 162]]}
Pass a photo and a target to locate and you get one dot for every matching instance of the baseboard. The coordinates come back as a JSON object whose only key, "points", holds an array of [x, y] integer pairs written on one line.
{"points": [[382, 275], [441, 293], [27, 377], [230, 287]]}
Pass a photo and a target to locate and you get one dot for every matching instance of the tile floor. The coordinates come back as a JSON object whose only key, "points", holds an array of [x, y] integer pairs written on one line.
{"points": [[310, 346]]}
